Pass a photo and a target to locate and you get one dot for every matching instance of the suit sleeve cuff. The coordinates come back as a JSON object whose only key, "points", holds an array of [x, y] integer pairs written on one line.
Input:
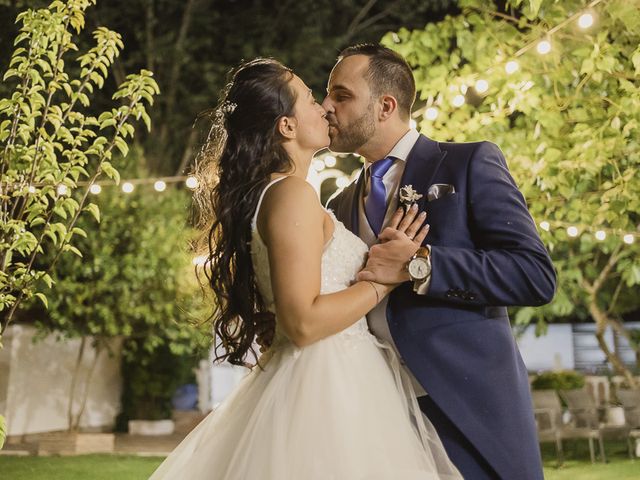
{"points": [[421, 288]]}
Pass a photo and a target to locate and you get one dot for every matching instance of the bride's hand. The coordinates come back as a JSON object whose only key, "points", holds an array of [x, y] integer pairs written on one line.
{"points": [[399, 242]]}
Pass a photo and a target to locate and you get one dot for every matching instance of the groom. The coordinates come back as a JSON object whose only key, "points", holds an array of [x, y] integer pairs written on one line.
{"points": [[448, 320]]}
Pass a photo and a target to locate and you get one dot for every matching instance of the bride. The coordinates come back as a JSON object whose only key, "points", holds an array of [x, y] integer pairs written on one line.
{"points": [[327, 400]]}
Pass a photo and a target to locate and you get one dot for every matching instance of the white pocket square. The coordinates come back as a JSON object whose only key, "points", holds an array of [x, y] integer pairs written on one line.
{"points": [[439, 190]]}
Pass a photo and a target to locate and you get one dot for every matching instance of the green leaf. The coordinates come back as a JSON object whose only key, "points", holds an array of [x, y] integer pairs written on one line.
{"points": [[70, 248], [43, 299], [121, 145], [94, 210]]}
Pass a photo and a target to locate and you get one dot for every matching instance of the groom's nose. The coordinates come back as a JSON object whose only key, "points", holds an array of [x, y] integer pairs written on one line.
{"points": [[328, 105]]}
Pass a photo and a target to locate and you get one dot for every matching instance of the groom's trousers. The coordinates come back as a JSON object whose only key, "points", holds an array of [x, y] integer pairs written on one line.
{"points": [[461, 451]]}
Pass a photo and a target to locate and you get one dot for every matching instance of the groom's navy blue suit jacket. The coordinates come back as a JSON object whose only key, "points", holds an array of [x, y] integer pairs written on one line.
{"points": [[486, 254]]}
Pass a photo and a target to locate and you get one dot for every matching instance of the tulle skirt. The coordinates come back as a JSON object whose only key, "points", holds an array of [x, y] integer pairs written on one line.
{"points": [[340, 409]]}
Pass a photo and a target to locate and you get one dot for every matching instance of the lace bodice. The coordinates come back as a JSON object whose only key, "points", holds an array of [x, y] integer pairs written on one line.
{"points": [[343, 256]]}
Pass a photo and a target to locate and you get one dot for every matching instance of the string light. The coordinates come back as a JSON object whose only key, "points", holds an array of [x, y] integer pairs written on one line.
{"points": [[585, 20], [511, 66], [62, 189], [191, 182], [482, 86], [127, 187], [160, 186], [200, 260], [458, 100], [600, 234], [95, 189], [543, 47], [431, 113]]}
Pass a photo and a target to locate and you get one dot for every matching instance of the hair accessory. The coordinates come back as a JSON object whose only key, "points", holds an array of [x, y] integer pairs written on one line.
{"points": [[227, 107]]}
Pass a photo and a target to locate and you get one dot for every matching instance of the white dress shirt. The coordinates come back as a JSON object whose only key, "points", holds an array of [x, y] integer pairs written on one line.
{"points": [[377, 318]]}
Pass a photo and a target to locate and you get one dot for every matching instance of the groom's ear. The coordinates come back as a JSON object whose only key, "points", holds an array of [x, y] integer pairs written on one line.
{"points": [[287, 127], [388, 106]]}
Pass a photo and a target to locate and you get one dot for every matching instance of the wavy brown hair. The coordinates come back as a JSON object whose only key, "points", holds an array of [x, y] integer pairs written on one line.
{"points": [[241, 152]]}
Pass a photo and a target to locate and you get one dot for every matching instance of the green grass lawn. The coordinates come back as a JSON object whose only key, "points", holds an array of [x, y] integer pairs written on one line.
{"points": [[577, 465], [83, 467], [121, 467]]}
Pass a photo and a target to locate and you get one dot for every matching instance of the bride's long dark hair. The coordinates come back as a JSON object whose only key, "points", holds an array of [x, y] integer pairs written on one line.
{"points": [[242, 150]]}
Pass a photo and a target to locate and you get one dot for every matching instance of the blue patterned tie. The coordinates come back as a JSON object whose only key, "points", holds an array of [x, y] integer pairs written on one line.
{"points": [[376, 205]]}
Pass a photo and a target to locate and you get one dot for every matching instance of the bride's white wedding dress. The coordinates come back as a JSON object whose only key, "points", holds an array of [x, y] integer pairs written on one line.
{"points": [[339, 409]]}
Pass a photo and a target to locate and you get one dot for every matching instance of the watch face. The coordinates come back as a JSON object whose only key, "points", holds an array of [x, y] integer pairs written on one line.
{"points": [[419, 268]]}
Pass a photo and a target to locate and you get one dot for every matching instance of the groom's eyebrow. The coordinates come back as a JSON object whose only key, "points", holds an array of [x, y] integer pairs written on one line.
{"points": [[338, 87]]}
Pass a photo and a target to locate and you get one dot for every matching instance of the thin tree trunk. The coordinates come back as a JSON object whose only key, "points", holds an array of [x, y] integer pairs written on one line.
{"points": [[74, 379], [85, 394], [602, 321]]}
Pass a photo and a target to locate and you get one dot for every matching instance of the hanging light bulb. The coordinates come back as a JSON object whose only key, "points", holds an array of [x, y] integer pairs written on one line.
{"points": [[511, 66], [458, 100], [127, 187], [585, 20], [572, 231], [160, 186], [191, 182], [431, 113], [199, 260], [543, 47], [601, 235], [628, 239], [482, 86], [95, 189]]}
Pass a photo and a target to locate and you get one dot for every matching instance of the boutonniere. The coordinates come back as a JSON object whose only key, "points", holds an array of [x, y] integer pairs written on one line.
{"points": [[408, 196]]}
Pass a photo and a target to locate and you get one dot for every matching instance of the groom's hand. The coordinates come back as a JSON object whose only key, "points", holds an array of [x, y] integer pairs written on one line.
{"points": [[388, 260]]}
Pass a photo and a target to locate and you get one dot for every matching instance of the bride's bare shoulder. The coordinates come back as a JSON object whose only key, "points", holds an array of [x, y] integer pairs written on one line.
{"points": [[292, 194], [289, 204]]}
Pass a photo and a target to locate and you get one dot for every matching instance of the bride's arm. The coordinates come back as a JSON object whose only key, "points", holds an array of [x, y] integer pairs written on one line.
{"points": [[291, 225]]}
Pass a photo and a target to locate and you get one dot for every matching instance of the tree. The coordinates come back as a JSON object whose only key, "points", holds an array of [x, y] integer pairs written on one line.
{"points": [[567, 121], [48, 142], [134, 282]]}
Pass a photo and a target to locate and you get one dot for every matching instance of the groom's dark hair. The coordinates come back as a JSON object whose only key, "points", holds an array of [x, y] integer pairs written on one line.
{"points": [[388, 73]]}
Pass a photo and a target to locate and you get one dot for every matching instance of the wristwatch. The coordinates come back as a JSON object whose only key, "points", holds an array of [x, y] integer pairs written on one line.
{"points": [[420, 264]]}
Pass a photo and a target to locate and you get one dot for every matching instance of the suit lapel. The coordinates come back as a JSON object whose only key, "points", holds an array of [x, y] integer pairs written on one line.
{"points": [[422, 165]]}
